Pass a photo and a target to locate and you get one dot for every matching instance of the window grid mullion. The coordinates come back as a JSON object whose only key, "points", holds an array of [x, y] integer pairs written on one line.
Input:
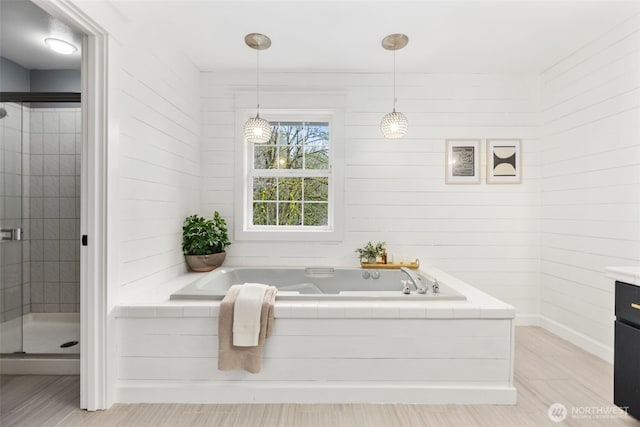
{"points": [[302, 222], [290, 173], [304, 145], [277, 201], [297, 143]]}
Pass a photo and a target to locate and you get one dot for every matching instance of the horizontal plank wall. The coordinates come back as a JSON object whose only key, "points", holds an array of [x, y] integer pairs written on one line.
{"points": [[155, 144], [155, 141], [590, 150], [394, 190], [159, 171], [321, 360]]}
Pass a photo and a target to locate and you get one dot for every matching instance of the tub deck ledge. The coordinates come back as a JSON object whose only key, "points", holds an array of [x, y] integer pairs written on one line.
{"points": [[153, 301]]}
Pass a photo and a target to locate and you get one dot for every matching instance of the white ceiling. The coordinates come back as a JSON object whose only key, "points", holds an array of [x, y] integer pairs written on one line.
{"points": [[444, 36], [510, 36], [23, 28]]}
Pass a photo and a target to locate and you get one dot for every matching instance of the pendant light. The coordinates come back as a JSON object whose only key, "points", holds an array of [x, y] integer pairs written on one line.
{"points": [[394, 124], [257, 130]]}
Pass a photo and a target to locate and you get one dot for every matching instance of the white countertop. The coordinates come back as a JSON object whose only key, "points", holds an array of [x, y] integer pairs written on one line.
{"points": [[629, 275]]}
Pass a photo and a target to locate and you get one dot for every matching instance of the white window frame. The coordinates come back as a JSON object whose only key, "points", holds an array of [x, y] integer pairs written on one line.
{"points": [[243, 219], [291, 173]]}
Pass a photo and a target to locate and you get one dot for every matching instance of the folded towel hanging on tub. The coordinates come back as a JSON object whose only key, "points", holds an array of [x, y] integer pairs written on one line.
{"points": [[232, 357], [246, 314]]}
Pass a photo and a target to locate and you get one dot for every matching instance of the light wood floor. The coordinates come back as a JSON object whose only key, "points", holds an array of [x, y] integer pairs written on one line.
{"points": [[548, 370]]}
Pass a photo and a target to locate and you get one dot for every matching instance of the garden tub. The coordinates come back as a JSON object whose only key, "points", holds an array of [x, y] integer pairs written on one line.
{"points": [[321, 283], [340, 336]]}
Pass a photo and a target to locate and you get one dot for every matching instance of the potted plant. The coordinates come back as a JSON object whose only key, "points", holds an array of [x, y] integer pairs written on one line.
{"points": [[204, 241], [370, 252]]}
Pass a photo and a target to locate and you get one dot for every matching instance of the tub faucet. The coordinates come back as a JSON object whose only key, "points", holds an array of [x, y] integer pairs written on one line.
{"points": [[413, 278], [436, 287]]}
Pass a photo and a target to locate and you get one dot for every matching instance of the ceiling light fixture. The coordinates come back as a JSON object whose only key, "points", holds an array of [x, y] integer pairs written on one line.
{"points": [[257, 130], [394, 124], [60, 46]]}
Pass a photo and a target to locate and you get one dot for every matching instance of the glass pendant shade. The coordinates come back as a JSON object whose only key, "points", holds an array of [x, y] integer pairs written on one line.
{"points": [[394, 125], [257, 130]]}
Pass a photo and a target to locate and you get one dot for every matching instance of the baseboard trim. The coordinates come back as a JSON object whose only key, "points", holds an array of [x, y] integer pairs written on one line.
{"points": [[584, 342], [527, 320], [199, 392]]}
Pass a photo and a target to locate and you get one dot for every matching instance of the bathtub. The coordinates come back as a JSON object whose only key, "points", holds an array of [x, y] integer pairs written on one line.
{"points": [[318, 283], [360, 340]]}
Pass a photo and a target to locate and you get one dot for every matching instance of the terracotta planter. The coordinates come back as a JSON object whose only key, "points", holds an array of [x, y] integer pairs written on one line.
{"points": [[202, 263]]}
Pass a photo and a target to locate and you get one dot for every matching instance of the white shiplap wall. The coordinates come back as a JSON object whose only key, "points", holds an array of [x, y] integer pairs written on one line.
{"points": [[154, 150], [488, 235], [590, 150], [159, 162], [319, 360]]}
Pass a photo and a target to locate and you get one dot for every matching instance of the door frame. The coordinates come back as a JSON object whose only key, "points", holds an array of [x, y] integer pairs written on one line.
{"points": [[94, 363]]}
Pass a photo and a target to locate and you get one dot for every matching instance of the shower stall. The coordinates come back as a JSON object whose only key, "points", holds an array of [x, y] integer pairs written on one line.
{"points": [[40, 142]]}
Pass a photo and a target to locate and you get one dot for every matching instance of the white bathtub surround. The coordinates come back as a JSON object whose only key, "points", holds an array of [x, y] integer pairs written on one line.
{"points": [[324, 351]]}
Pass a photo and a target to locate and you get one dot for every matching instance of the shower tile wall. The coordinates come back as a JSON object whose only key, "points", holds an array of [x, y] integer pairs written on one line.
{"points": [[54, 209], [11, 169]]}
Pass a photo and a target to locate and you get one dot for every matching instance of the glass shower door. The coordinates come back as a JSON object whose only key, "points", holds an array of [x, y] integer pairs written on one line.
{"points": [[11, 222]]}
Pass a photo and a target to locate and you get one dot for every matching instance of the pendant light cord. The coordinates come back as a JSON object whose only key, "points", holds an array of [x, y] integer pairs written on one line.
{"points": [[258, 80], [394, 80]]}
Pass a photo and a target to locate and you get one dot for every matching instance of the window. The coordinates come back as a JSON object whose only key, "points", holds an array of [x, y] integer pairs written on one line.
{"points": [[291, 188], [290, 179]]}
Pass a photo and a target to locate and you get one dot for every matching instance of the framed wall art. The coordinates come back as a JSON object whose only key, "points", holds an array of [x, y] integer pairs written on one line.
{"points": [[462, 163], [504, 160]]}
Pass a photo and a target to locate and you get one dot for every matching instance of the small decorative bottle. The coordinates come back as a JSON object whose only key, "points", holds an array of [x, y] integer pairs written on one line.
{"points": [[384, 257]]}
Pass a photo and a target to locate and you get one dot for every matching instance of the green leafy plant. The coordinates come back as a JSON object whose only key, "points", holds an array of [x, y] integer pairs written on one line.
{"points": [[201, 236], [371, 251]]}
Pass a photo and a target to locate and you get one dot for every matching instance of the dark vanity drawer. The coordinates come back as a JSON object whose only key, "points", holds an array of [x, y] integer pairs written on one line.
{"points": [[626, 369], [628, 303]]}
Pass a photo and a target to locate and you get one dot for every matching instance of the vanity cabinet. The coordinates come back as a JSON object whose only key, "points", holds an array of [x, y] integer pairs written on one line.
{"points": [[626, 365]]}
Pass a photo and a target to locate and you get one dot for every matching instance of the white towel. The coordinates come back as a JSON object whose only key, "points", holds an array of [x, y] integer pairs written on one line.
{"points": [[246, 314]]}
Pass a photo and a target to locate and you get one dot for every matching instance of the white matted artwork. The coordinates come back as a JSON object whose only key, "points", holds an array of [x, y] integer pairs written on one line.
{"points": [[504, 160], [462, 164]]}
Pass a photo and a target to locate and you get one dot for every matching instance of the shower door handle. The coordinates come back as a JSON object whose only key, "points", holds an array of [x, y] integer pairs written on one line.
{"points": [[11, 234]]}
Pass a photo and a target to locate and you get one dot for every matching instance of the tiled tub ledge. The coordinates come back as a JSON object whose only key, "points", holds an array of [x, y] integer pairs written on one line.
{"points": [[153, 301], [327, 310], [323, 352]]}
